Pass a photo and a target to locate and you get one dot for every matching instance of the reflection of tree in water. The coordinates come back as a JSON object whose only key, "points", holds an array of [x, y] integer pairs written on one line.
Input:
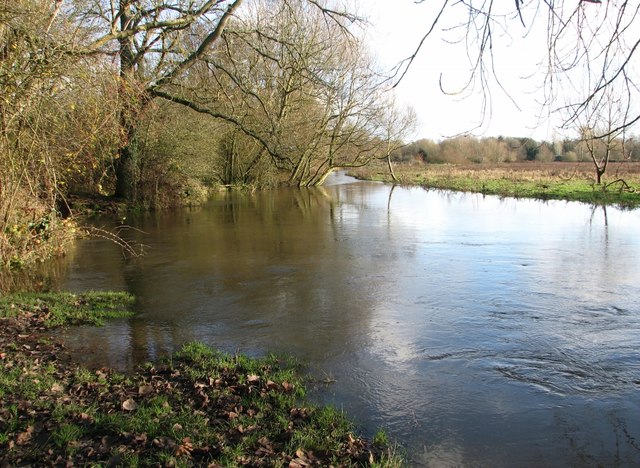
{"points": [[605, 219], [254, 269], [595, 209], [44, 277], [580, 447]]}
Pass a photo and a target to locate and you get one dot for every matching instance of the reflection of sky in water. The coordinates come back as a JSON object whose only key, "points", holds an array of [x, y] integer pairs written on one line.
{"points": [[496, 289], [477, 330]]}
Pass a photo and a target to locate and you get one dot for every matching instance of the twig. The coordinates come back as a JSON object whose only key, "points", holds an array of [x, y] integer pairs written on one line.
{"points": [[127, 247]]}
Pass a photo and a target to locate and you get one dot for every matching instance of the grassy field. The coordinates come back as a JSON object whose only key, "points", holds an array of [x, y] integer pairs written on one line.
{"points": [[199, 407], [554, 180]]}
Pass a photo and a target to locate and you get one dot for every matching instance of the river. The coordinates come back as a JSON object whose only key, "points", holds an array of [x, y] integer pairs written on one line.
{"points": [[477, 331]]}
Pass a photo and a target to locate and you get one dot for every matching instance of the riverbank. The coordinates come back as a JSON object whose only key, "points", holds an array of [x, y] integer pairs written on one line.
{"points": [[544, 181], [198, 408]]}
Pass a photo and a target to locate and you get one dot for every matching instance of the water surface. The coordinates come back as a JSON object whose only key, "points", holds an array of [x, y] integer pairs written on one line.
{"points": [[477, 331]]}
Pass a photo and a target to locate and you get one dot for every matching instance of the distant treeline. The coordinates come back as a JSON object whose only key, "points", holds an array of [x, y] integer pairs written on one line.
{"points": [[465, 149]]}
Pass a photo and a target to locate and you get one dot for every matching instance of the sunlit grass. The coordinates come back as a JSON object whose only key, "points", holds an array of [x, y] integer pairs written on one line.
{"points": [[65, 308]]}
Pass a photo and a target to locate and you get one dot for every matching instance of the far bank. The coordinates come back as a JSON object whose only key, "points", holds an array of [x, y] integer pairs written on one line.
{"points": [[572, 181]]}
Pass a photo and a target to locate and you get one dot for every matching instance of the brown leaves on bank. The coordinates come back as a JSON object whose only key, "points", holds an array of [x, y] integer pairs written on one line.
{"points": [[53, 413]]}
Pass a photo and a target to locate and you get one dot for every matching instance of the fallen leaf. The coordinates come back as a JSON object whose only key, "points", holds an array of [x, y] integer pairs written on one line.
{"points": [[25, 436], [57, 388], [252, 378], [298, 463], [301, 413], [129, 405], [204, 396], [185, 448], [141, 439], [287, 386], [264, 441], [163, 442], [145, 389], [251, 428]]}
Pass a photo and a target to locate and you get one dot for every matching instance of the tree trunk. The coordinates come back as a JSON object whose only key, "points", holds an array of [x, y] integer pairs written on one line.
{"points": [[127, 163], [127, 166], [393, 174]]}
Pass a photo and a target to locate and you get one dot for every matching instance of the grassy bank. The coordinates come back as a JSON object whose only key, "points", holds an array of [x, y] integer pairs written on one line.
{"points": [[545, 181], [198, 408]]}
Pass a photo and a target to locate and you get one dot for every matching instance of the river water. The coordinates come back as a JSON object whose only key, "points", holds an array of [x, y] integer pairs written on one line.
{"points": [[477, 331]]}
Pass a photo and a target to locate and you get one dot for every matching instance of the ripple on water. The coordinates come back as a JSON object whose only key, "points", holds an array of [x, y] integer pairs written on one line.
{"points": [[568, 372]]}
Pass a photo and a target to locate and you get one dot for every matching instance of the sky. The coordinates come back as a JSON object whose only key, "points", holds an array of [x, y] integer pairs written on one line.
{"points": [[514, 107]]}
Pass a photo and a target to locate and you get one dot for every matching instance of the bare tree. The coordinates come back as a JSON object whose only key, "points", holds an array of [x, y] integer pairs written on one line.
{"points": [[300, 86], [395, 128], [32, 61], [601, 132], [591, 46]]}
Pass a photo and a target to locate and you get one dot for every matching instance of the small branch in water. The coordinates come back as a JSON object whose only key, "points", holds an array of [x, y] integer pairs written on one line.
{"points": [[127, 247], [327, 379]]}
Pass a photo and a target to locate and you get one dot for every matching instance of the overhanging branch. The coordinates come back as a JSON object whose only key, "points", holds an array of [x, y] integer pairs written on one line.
{"points": [[204, 110]]}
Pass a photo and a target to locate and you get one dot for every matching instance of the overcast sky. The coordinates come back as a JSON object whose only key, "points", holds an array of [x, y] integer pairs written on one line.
{"points": [[397, 28]]}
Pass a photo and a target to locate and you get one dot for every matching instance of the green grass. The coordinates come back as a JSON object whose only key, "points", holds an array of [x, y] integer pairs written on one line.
{"points": [[544, 190], [551, 181], [199, 406], [63, 308], [25, 378], [66, 436]]}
